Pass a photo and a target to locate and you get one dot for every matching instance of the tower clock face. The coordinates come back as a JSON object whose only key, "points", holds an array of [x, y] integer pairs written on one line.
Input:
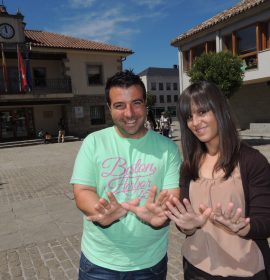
{"points": [[6, 31]]}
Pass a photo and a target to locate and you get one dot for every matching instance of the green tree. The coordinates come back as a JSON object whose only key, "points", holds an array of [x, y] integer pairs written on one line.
{"points": [[222, 68], [150, 99]]}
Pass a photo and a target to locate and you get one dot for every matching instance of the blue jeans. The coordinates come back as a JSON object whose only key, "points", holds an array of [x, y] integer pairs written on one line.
{"points": [[90, 271]]}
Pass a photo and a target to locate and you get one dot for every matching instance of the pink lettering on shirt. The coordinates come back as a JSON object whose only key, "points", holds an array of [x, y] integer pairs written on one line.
{"points": [[126, 178]]}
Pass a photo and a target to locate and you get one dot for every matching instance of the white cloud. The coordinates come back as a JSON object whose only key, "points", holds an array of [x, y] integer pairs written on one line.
{"points": [[149, 3], [104, 27], [81, 3], [115, 24]]}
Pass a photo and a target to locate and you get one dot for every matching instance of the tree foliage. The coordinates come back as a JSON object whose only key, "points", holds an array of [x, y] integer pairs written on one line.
{"points": [[222, 68], [150, 99]]}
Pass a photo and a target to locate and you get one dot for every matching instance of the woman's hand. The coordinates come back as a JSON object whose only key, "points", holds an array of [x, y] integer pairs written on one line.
{"points": [[231, 219], [184, 215]]}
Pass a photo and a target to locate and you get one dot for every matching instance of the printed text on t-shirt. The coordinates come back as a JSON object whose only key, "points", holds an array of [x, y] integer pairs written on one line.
{"points": [[128, 178]]}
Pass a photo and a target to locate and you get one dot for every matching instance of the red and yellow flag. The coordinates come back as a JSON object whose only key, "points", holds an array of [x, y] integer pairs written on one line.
{"points": [[22, 71], [4, 67]]}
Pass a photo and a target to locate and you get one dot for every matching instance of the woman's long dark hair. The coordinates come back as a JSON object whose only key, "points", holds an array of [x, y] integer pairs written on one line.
{"points": [[207, 96]]}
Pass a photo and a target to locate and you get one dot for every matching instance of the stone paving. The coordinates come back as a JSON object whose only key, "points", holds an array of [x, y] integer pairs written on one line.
{"points": [[40, 226]]}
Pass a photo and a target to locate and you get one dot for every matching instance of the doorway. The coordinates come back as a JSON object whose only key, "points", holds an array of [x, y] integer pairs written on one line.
{"points": [[16, 124]]}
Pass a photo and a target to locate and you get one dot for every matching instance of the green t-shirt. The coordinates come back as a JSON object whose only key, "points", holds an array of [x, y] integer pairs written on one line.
{"points": [[128, 168]]}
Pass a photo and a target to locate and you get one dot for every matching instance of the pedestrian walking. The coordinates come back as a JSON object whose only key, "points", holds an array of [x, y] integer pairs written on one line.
{"points": [[61, 131], [165, 124]]}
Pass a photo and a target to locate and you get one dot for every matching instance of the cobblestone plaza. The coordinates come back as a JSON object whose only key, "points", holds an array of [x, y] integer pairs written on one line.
{"points": [[40, 226]]}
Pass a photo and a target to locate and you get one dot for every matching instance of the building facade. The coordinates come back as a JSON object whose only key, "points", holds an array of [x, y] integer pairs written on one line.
{"points": [[244, 30], [47, 76], [163, 83]]}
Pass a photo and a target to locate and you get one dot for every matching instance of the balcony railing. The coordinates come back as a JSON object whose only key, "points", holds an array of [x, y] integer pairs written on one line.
{"points": [[40, 86], [250, 60]]}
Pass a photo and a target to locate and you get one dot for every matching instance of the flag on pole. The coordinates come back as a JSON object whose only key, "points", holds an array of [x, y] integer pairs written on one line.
{"points": [[4, 66], [22, 71], [28, 72]]}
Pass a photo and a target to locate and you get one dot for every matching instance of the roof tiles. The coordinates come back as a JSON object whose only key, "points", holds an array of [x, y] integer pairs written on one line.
{"points": [[39, 38], [239, 8]]}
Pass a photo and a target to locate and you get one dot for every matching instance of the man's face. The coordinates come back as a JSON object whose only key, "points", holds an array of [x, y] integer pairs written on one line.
{"points": [[128, 110]]}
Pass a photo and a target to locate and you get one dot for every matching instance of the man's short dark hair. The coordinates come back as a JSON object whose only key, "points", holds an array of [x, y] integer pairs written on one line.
{"points": [[124, 79]]}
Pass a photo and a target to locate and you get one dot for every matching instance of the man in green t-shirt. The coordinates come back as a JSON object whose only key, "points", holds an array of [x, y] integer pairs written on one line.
{"points": [[122, 177]]}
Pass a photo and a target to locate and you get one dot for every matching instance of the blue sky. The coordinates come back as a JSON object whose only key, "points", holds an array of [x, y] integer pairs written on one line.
{"points": [[145, 26]]}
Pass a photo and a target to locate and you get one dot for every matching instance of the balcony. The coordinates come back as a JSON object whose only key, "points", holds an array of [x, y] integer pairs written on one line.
{"points": [[40, 86], [250, 61], [258, 69]]}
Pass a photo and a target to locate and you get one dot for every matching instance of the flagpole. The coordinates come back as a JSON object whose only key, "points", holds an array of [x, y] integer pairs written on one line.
{"points": [[19, 72]]}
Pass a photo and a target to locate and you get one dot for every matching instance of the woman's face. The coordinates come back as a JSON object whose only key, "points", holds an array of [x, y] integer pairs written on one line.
{"points": [[204, 126]]}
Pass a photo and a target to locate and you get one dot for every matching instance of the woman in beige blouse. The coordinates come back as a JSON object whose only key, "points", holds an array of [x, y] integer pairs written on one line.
{"points": [[224, 207]]}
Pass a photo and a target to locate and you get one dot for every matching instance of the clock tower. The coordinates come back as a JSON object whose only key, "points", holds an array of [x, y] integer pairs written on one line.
{"points": [[11, 27]]}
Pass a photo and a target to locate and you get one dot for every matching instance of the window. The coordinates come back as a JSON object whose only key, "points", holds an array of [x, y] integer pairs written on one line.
{"points": [[168, 86], [175, 98], [153, 86], [39, 76], [186, 60], [210, 46], [264, 28], [161, 99], [160, 86], [13, 79], [246, 46], [97, 114], [169, 99], [246, 40], [172, 111], [197, 51], [158, 111], [175, 86], [94, 74], [227, 42]]}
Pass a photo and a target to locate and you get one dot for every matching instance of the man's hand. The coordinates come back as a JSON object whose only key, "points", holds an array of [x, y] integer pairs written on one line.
{"points": [[184, 215], [153, 211], [108, 211]]}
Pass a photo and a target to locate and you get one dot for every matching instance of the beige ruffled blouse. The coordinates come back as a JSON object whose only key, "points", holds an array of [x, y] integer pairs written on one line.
{"points": [[211, 248]]}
